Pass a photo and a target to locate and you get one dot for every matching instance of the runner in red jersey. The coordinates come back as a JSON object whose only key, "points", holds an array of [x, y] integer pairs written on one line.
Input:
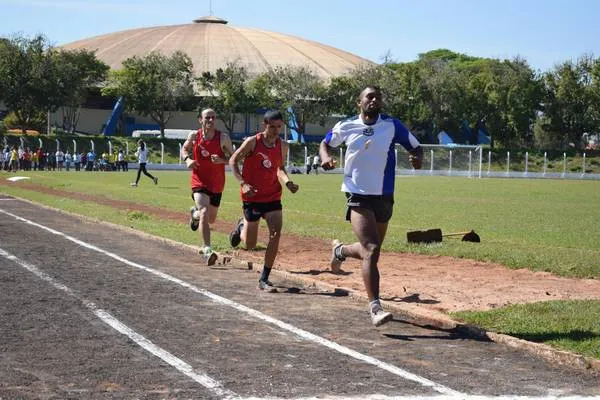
{"points": [[261, 183], [206, 152]]}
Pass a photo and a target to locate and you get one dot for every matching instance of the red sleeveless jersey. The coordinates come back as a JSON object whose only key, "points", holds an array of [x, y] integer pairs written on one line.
{"points": [[260, 171], [206, 174]]}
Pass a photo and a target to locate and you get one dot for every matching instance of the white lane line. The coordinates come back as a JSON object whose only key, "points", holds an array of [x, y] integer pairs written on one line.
{"points": [[114, 323], [257, 314]]}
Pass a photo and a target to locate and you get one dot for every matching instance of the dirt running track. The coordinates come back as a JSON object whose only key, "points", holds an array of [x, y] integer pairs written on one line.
{"points": [[435, 283], [93, 312]]}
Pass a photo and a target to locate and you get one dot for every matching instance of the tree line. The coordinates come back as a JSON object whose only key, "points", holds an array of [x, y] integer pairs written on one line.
{"points": [[440, 90]]}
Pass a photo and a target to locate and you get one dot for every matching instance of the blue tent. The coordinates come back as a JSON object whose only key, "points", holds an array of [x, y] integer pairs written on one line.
{"points": [[444, 138], [483, 137]]}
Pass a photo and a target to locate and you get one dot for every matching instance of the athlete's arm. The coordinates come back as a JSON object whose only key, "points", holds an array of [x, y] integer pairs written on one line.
{"points": [[227, 149], [187, 150], [238, 156], [327, 162]]}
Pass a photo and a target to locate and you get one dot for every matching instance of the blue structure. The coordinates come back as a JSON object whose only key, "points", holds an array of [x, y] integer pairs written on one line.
{"points": [[110, 127], [444, 138], [293, 124], [483, 137]]}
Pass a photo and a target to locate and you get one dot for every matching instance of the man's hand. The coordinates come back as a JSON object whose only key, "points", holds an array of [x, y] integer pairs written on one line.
{"points": [[215, 159], [248, 190], [328, 163], [415, 160], [190, 163], [416, 157], [292, 187]]}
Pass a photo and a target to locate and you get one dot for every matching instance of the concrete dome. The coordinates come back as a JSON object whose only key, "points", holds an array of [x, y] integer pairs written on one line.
{"points": [[210, 42]]}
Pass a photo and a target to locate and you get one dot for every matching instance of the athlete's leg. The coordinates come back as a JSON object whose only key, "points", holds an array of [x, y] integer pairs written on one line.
{"points": [[139, 173], [212, 213], [274, 223], [367, 248], [145, 171], [250, 233], [202, 201]]}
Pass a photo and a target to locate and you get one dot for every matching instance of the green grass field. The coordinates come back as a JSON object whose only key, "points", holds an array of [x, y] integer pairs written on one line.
{"points": [[542, 225]]}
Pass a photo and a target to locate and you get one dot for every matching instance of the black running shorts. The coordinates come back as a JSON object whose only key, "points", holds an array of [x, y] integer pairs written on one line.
{"points": [[381, 205], [215, 198], [256, 211]]}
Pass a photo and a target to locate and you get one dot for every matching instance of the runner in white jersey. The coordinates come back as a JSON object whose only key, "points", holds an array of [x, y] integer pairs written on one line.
{"points": [[369, 175], [142, 155]]}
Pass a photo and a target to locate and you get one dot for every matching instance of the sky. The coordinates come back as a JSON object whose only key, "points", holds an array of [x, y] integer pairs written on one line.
{"points": [[543, 32]]}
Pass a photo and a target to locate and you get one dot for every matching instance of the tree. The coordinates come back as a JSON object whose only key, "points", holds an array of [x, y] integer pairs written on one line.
{"points": [[76, 72], [154, 85], [568, 101], [27, 72], [229, 94], [297, 91]]}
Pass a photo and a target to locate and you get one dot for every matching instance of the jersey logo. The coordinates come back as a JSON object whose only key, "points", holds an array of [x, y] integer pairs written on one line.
{"points": [[203, 151], [265, 162], [368, 131]]}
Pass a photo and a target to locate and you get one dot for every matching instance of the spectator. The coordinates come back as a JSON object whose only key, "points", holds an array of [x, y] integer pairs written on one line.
{"points": [[35, 160], [68, 160], [90, 159], [60, 159], [41, 159], [315, 165], [14, 159], [77, 161]]}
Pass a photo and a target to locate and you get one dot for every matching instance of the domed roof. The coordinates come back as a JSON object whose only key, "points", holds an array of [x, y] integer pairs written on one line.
{"points": [[210, 42]]}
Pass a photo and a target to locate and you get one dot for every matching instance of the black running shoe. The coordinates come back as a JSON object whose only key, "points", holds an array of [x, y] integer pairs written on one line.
{"points": [[235, 237], [193, 221]]}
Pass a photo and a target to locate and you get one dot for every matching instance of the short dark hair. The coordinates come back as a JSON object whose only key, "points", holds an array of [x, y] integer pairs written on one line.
{"points": [[273, 115], [374, 87], [203, 110]]}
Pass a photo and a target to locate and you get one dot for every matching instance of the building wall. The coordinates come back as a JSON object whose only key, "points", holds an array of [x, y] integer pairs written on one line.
{"points": [[92, 120]]}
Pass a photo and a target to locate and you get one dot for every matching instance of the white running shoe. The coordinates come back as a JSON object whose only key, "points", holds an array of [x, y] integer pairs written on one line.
{"points": [[378, 316], [336, 262]]}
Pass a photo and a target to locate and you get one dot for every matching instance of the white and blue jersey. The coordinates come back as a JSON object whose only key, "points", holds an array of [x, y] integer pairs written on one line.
{"points": [[370, 162]]}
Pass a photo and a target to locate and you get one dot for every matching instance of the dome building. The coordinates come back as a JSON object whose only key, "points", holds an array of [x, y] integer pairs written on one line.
{"points": [[211, 43]]}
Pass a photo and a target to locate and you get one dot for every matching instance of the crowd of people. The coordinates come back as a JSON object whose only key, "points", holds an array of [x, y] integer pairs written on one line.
{"points": [[258, 166], [17, 158]]}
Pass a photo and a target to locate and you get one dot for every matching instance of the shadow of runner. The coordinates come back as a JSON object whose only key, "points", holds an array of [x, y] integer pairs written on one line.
{"points": [[319, 272], [458, 333], [337, 292], [413, 298]]}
